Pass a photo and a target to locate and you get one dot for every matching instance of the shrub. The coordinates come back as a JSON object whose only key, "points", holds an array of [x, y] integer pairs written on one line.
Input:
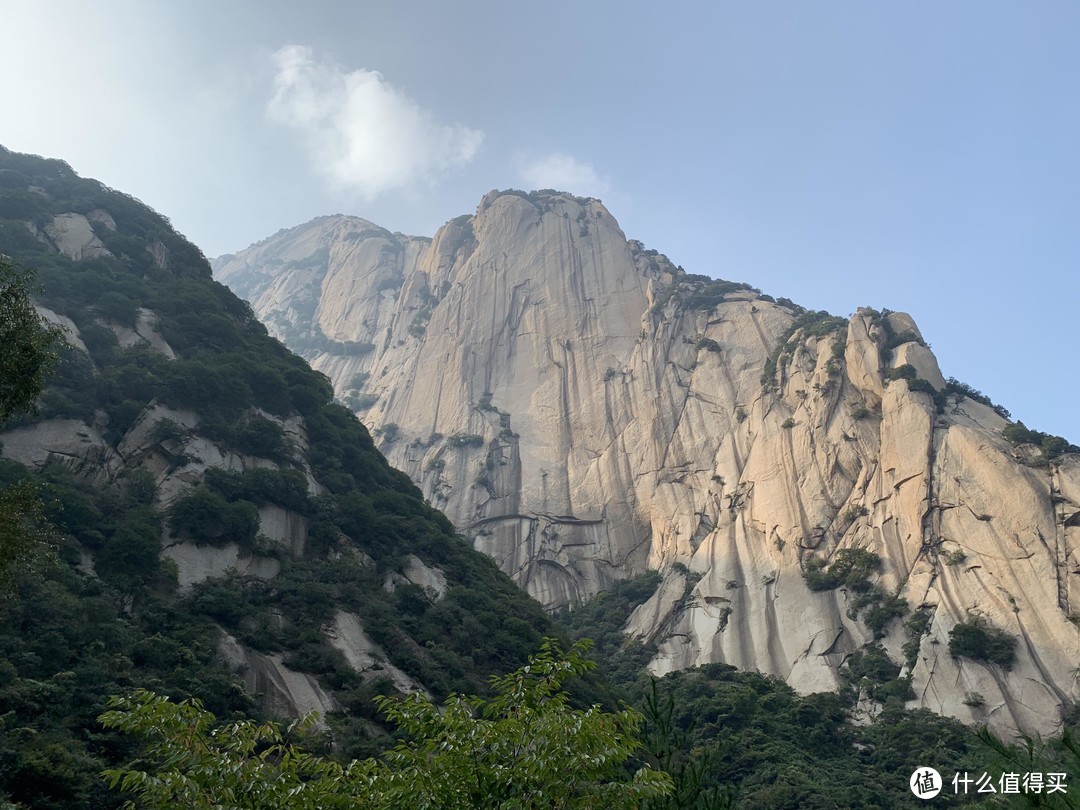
{"points": [[881, 608], [851, 568], [898, 339], [206, 517], [853, 513], [263, 438], [811, 324], [168, 430], [955, 557], [287, 488], [712, 293], [917, 626], [362, 402], [981, 642], [871, 669], [116, 306], [919, 384], [1051, 446], [465, 440], [388, 432], [962, 390], [419, 322], [904, 372], [788, 423]]}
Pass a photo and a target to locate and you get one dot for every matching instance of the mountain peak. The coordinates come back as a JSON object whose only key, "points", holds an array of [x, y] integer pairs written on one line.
{"points": [[585, 411]]}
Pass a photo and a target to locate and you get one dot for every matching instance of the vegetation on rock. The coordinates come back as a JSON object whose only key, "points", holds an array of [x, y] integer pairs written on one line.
{"points": [[980, 642], [742, 739], [106, 618], [806, 325], [523, 747]]}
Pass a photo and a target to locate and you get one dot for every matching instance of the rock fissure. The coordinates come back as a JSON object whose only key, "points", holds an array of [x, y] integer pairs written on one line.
{"points": [[622, 408]]}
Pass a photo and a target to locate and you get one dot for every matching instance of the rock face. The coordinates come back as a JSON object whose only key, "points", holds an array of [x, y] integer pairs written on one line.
{"points": [[285, 692], [586, 411], [75, 238], [172, 448]]}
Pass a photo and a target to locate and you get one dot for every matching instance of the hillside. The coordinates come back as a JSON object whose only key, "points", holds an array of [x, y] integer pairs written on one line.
{"points": [[224, 530], [811, 488]]}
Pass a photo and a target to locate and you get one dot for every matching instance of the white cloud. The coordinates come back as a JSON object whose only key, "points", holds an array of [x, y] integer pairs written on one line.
{"points": [[565, 173], [361, 133]]}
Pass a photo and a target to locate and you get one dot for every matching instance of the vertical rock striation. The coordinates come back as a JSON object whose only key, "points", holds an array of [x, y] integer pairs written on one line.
{"points": [[586, 411]]}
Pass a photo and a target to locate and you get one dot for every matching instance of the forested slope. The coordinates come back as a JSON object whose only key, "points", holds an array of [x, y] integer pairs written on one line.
{"points": [[220, 523]]}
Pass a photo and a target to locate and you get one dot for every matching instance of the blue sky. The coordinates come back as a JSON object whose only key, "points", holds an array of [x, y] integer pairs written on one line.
{"points": [[916, 156]]}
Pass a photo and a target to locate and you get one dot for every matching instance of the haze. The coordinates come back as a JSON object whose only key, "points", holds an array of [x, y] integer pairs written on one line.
{"points": [[920, 157]]}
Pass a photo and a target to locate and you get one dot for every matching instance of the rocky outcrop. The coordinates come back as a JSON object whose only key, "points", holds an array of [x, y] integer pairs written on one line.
{"points": [[284, 692], [429, 579], [586, 411], [144, 333], [69, 443], [197, 563], [347, 635], [99, 216], [67, 326], [74, 237]]}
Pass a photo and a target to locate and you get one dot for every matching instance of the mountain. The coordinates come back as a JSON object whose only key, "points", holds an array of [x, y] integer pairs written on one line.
{"points": [[812, 489], [224, 530]]}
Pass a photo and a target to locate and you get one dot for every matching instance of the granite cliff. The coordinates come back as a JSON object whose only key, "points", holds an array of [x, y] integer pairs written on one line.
{"points": [[807, 485]]}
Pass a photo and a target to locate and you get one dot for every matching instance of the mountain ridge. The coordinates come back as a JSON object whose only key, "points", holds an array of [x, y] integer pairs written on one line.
{"points": [[223, 530], [588, 411]]}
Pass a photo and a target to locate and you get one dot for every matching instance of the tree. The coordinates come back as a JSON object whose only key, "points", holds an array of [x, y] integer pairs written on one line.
{"points": [[979, 641], [24, 532], [1054, 759], [27, 351], [672, 750], [524, 747], [27, 343]]}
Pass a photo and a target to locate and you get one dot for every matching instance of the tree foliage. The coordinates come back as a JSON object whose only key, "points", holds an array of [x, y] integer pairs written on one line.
{"points": [[27, 352], [523, 747], [979, 641], [27, 342], [24, 533], [1060, 755]]}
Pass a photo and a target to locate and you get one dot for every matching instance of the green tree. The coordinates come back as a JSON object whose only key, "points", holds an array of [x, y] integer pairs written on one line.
{"points": [[24, 532], [1037, 755], [27, 343], [27, 351], [524, 747]]}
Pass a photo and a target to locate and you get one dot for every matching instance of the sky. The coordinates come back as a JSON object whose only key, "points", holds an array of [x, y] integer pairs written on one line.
{"points": [[919, 156]]}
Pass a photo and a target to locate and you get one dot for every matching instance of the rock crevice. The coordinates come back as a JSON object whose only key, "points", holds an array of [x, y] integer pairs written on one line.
{"points": [[533, 368]]}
